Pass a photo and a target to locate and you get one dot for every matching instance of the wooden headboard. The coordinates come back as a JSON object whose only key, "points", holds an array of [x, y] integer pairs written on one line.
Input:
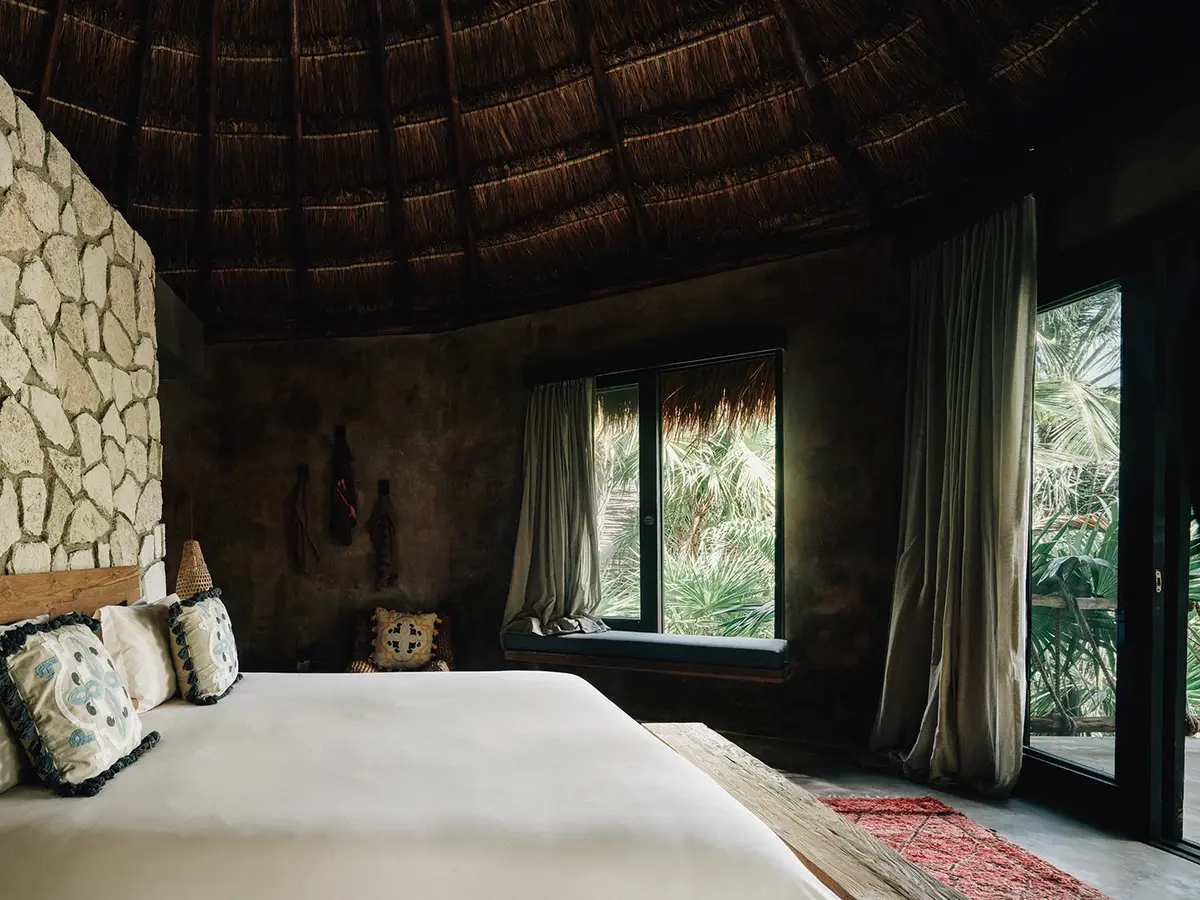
{"points": [[55, 593]]}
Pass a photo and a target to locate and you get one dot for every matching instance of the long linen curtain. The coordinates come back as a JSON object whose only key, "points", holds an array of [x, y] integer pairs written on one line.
{"points": [[953, 703], [556, 567]]}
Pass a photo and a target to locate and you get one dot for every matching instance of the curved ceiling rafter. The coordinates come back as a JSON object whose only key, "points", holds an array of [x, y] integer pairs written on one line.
{"points": [[458, 148], [831, 129], [616, 137], [127, 162], [53, 40], [208, 154], [296, 158], [402, 305]]}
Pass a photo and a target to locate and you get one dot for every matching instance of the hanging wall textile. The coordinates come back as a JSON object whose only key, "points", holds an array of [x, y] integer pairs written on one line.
{"points": [[343, 506], [382, 526], [301, 547]]}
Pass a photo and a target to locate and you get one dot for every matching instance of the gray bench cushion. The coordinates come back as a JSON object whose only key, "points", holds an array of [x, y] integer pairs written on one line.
{"points": [[751, 653]]}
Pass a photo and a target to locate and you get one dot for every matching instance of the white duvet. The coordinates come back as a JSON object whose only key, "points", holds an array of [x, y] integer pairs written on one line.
{"points": [[449, 786]]}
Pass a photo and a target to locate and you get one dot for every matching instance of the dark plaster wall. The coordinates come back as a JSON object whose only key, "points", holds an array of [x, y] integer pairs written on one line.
{"points": [[442, 417]]}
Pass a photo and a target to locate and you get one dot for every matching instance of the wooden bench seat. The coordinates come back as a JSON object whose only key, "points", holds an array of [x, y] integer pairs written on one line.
{"points": [[849, 860], [739, 659]]}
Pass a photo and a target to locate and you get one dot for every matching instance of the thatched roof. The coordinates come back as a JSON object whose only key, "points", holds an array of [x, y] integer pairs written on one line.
{"points": [[360, 165], [704, 398]]}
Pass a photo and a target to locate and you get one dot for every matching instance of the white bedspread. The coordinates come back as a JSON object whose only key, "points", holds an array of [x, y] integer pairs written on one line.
{"points": [[458, 786]]}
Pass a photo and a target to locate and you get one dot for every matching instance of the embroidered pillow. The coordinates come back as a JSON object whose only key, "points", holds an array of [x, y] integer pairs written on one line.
{"points": [[138, 640], [403, 640], [206, 658], [68, 704], [14, 764]]}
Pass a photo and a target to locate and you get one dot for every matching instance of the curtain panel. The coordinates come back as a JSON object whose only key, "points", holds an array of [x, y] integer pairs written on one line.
{"points": [[555, 584], [953, 702]]}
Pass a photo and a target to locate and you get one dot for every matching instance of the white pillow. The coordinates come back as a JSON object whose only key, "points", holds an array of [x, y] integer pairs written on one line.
{"points": [[161, 601], [137, 639]]}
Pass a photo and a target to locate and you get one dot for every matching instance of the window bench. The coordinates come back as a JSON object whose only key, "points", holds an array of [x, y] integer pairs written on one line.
{"points": [[739, 659]]}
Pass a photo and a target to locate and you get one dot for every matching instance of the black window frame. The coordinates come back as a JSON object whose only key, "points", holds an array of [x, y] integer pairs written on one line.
{"points": [[648, 381]]}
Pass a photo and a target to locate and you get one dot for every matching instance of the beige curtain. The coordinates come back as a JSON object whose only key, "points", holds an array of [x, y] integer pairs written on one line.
{"points": [[556, 567], [953, 704]]}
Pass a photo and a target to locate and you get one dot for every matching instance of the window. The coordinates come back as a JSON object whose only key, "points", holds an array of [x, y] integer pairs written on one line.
{"points": [[687, 498], [1073, 555]]}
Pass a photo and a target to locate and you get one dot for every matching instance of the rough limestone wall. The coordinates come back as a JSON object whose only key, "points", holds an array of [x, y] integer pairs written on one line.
{"points": [[80, 451]]}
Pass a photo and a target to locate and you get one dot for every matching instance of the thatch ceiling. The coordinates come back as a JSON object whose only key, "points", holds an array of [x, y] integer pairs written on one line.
{"points": [[357, 165]]}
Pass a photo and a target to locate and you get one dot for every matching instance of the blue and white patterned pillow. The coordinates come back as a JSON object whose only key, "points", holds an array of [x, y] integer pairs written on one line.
{"points": [[203, 647], [68, 704]]}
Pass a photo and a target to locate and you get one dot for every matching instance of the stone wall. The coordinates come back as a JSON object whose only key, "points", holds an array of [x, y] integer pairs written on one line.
{"points": [[442, 418], [80, 435]]}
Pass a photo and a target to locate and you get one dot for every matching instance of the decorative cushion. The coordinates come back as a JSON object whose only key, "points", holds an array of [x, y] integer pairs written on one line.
{"points": [[68, 704], [205, 654], [404, 640], [367, 667], [140, 645], [14, 764]]}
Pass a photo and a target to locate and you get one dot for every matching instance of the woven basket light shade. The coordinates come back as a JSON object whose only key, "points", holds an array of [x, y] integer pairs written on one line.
{"points": [[193, 574]]}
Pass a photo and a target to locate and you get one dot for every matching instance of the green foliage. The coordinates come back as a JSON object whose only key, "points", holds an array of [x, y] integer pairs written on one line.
{"points": [[1073, 649], [1076, 462], [718, 525], [1077, 412], [1077, 406]]}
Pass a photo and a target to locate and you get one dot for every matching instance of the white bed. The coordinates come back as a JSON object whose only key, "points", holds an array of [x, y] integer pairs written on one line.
{"points": [[453, 786]]}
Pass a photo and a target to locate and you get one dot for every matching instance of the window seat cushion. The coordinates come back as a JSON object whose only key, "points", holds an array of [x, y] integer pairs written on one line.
{"points": [[750, 653]]}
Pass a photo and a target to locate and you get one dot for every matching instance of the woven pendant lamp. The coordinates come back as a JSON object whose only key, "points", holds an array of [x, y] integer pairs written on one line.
{"points": [[193, 574]]}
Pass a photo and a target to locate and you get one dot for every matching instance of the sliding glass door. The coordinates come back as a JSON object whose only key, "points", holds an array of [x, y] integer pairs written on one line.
{"points": [[1073, 650]]}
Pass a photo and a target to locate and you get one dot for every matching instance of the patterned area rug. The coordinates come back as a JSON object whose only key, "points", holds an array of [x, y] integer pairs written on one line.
{"points": [[960, 852]]}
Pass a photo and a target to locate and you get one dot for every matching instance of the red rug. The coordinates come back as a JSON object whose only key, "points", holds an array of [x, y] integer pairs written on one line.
{"points": [[959, 852]]}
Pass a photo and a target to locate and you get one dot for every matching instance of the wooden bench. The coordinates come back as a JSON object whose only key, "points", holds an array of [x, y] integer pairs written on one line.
{"points": [[850, 861]]}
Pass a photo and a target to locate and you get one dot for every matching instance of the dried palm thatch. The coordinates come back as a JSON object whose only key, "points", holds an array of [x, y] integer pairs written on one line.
{"points": [[704, 399], [545, 151]]}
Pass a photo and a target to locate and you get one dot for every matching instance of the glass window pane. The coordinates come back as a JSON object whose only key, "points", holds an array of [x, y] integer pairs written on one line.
{"points": [[617, 511], [718, 474], [1076, 468]]}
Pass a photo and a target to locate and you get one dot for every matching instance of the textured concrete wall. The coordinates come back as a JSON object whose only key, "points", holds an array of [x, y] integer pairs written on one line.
{"points": [[442, 417], [80, 450]]}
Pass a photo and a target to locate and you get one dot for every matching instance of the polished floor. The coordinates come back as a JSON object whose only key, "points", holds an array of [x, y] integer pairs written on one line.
{"points": [[1123, 869], [1097, 753]]}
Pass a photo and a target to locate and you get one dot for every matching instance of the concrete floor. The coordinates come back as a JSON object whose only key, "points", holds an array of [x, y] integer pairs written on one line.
{"points": [[1121, 868], [1097, 753]]}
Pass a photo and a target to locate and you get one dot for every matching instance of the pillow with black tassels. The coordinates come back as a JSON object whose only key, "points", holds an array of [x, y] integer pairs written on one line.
{"points": [[202, 644], [68, 704]]}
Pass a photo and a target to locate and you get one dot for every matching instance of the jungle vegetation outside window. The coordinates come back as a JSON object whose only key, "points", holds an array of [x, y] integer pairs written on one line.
{"points": [[687, 498], [1073, 664]]}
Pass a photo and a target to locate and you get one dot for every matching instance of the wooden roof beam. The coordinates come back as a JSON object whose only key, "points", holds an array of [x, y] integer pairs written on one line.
{"points": [[831, 128], [402, 305], [296, 157], [962, 62], [53, 40], [208, 156], [616, 139], [127, 161], [466, 211]]}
